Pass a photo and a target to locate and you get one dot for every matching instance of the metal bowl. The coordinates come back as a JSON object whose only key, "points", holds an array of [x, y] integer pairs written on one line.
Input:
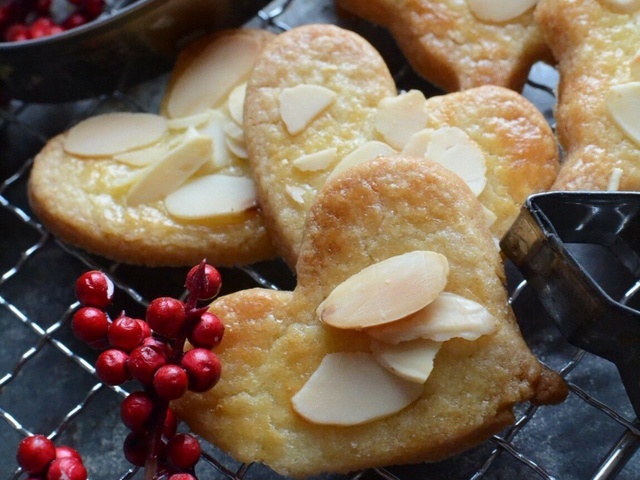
{"points": [[121, 49]]}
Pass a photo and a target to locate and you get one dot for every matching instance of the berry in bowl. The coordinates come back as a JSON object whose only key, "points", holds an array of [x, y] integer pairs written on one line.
{"points": [[66, 50]]}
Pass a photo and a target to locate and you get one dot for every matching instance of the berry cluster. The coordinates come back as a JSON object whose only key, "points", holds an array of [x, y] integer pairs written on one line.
{"points": [[41, 459], [29, 19], [151, 351]]}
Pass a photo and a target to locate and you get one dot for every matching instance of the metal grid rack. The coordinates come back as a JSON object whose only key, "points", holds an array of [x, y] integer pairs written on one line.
{"points": [[47, 380]]}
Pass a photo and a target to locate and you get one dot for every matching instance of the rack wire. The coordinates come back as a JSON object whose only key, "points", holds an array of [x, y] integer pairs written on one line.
{"points": [[47, 379]]}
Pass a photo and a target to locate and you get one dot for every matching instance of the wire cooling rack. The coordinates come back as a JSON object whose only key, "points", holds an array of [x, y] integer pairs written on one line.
{"points": [[47, 380]]}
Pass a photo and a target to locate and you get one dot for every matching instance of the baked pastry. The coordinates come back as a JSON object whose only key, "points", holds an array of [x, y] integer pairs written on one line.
{"points": [[267, 409], [168, 189], [461, 44], [321, 97], [596, 43]]}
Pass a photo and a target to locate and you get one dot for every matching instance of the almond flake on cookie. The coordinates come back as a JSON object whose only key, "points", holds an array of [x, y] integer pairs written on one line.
{"points": [[299, 105], [500, 10]]}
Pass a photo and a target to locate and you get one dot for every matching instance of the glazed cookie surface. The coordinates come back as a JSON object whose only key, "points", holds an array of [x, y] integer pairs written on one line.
{"points": [[371, 216], [321, 97], [461, 44], [596, 44], [141, 188]]}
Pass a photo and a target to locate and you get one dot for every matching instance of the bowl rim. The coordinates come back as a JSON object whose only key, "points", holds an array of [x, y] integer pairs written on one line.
{"points": [[133, 10]]}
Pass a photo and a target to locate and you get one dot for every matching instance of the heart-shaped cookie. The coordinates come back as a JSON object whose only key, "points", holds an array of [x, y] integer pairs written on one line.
{"points": [[461, 44], [165, 189], [266, 408], [321, 96], [595, 43]]}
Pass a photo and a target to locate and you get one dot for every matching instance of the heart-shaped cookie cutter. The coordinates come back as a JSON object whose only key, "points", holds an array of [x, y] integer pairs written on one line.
{"points": [[542, 245]]}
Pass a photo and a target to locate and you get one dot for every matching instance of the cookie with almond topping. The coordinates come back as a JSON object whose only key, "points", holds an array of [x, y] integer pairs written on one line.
{"points": [[308, 388], [163, 189], [596, 45], [321, 98], [461, 44]]}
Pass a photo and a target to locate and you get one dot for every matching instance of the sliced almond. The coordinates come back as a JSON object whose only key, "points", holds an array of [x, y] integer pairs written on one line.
{"points": [[623, 6], [236, 147], [364, 153], [500, 10], [296, 193], [113, 133], [418, 143], [386, 291], [614, 179], [351, 388], [211, 76], [212, 196], [142, 157], [214, 129], [489, 216], [236, 103], [398, 118], [123, 183], [623, 104], [233, 130], [186, 122], [452, 148], [448, 316], [412, 360], [299, 105], [166, 175], [316, 161]]}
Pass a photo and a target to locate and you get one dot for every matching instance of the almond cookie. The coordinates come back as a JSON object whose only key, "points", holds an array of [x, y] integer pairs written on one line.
{"points": [[167, 189], [596, 45], [461, 44], [398, 344], [321, 98]]}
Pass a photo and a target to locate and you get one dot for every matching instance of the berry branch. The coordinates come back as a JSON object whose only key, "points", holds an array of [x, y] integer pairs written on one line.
{"points": [[152, 352]]}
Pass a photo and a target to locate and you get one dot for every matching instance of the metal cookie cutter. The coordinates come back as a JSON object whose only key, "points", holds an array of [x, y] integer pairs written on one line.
{"points": [[578, 291]]}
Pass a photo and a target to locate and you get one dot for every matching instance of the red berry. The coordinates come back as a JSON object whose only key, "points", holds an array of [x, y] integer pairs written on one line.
{"points": [[17, 33], [136, 411], [170, 424], [63, 451], [211, 284], [111, 367], [90, 325], [43, 7], [183, 450], [207, 332], [43, 27], [146, 329], [159, 344], [6, 15], [203, 369], [135, 448], [95, 289], [93, 8], [144, 361], [125, 333], [166, 316], [66, 468], [182, 476], [170, 382], [35, 453], [55, 29], [74, 20]]}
